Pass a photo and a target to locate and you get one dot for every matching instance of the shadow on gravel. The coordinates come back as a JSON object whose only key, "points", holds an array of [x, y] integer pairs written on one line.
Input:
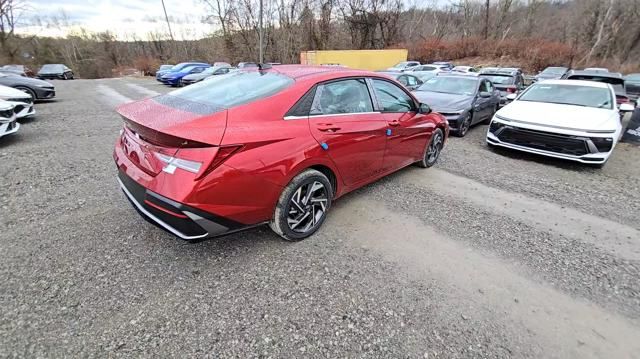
{"points": [[550, 161], [9, 140], [53, 100]]}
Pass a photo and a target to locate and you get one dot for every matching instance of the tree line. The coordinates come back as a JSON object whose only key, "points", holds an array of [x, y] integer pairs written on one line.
{"points": [[528, 33]]}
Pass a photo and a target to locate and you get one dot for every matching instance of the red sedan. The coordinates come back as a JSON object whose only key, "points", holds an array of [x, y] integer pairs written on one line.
{"points": [[270, 146]]}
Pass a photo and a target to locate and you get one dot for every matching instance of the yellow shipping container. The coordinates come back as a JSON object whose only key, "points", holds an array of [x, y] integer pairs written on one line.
{"points": [[356, 59]]}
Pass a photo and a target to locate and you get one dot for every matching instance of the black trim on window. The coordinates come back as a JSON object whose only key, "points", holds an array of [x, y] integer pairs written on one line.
{"points": [[303, 105]]}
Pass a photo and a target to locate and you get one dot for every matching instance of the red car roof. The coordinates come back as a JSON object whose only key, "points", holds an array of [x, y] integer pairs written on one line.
{"points": [[318, 73]]}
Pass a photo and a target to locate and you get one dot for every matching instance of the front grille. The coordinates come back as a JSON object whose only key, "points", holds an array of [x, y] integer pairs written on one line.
{"points": [[18, 108], [6, 113], [23, 100], [545, 141]]}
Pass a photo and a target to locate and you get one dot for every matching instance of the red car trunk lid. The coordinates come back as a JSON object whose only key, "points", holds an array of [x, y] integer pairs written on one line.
{"points": [[162, 126]]}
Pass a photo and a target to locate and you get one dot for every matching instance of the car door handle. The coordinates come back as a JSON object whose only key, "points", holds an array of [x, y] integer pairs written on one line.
{"points": [[328, 127], [394, 123]]}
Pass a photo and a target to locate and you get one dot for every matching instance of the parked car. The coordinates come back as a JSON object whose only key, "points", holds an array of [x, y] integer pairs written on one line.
{"points": [[208, 72], [177, 68], [445, 64], [403, 66], [614, 79], [8, 123], [55, 71], [22, 102], [568, 119], [243, 65], [409, 81], [597, 69], [37, 89], [632, 86], [22, 70], [424, 75], [430, 68], [465, 69], [551, 73], [462, 100], [274, 146], [165, 67], [507, 80], [174, 78]]}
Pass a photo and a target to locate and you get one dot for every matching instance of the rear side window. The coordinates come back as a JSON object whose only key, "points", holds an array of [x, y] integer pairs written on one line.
{"points": [[233, 89], [345, 96], [392, 98]]}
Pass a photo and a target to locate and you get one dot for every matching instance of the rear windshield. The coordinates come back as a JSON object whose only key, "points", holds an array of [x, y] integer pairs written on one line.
{"points": [[499, 79], [234, 88], [586, 96], [554, 71], [607, 80]]}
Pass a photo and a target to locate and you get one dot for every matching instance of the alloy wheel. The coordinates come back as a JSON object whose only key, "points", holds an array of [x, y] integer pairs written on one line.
{"points": [[464, 126], [434, 148], [307, 207]]}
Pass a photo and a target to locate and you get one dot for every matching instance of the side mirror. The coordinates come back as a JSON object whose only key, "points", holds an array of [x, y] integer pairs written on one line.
{"points": [[484, 94], [511, 96], [424, 108], [626, 107]]}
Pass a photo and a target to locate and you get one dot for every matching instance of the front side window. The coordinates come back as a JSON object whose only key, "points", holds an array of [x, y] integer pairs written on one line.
{"points": [[392, 98], [484, 86], [345, 96]]}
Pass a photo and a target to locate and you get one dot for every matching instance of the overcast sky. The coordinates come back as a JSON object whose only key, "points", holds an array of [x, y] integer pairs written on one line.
{"points": [[119, 16]]}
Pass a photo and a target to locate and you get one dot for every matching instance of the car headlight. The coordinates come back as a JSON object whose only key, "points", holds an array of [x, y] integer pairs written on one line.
{"points": [[45, 85]]}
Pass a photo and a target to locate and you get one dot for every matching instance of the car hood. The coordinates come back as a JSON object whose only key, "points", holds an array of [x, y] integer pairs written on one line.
{"points": [[8, 92], [444, 102], [26, 81], [196, 77], [560, 116]]}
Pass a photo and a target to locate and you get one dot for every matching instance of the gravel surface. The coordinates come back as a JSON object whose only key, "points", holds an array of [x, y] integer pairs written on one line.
{"points": [[490, 254]]}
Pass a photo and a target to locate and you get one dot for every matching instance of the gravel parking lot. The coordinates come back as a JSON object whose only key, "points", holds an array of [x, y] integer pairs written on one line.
{"points": [[489, 254]]}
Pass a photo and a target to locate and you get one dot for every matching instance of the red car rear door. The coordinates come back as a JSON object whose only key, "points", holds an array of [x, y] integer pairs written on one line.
{"points": [[343, 121], [407, 130]]}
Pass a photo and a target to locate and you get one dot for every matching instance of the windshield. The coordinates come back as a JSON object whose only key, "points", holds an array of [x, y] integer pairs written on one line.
{"points": [[234, 89], [499, 79], [52, 68], [451, 85], [554, 71], [587, 96], [165, 67], [633, 77]]}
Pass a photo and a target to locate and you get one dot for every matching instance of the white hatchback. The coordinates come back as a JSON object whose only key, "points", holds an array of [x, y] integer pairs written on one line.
{"points": [[568, 119]]}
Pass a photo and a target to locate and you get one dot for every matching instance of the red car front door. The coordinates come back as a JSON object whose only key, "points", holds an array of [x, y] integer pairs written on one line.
{"points": [[343, 121], [408, 130]]}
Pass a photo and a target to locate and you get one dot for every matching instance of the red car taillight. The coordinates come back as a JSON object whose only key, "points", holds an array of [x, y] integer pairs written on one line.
{"points": [[223, 154], [511, 89]]}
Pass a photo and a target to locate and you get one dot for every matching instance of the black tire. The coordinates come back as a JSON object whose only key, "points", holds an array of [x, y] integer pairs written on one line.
{"points": [[436, 143], [463, 129], [28, 91], [289, 209]]}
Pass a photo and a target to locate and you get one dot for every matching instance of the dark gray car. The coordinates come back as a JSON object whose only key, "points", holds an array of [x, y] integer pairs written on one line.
{"points": [[464, 100], [632, 86], [38, 89], [551, 73]]}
